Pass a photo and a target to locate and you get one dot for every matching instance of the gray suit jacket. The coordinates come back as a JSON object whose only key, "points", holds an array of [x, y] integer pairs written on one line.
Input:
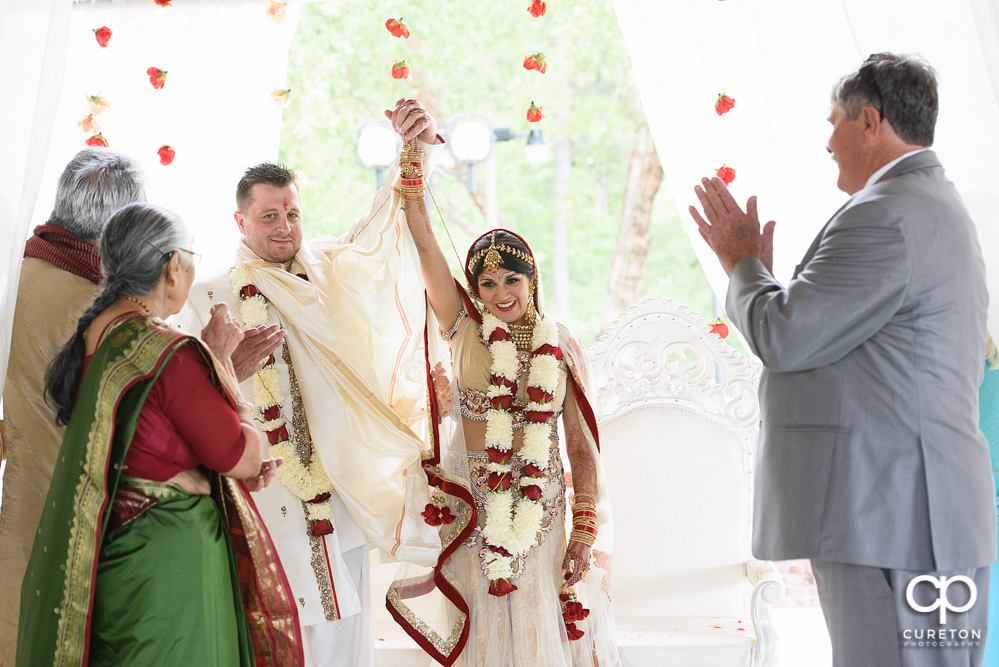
{"points": [[870, 451]]}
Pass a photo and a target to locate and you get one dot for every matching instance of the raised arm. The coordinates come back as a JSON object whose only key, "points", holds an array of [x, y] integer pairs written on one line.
{"points": [[411, 120]]}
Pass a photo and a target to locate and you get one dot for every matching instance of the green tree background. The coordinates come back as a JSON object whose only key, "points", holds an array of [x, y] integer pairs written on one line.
{"points": [[466, 57]]}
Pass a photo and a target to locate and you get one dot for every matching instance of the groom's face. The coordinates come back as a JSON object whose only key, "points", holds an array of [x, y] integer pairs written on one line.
{"points": [[272, 223]]}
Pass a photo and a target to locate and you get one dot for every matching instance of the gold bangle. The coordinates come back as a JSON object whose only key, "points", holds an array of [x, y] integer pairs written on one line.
{"points": [[586, 495]]}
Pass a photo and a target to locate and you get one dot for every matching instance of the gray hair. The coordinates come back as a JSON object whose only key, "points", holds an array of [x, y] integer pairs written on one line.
{"points": [[95, 184], [138, 241], [902, 88]]}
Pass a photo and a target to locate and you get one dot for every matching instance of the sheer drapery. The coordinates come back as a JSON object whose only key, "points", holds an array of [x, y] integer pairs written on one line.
{"points": [[223, 58], [779, 60]]}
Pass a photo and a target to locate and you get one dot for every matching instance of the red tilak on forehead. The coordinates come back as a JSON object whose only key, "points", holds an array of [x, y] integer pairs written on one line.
{"points": [[286, 203]]}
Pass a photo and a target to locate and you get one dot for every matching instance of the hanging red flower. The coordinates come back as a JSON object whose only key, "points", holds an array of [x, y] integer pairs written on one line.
{"points": [[97, 140], [397, 28], [536, 61], [103, 35], [166, 154], [500, 587], [537, 8], [534, 113], [727, 174], [157, 77], [718, 326], [163, 3], [400, 69], [724, 104]]}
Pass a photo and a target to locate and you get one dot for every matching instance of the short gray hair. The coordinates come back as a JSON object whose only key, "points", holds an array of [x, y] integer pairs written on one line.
{"points": [[95, 184], [902, 88]]}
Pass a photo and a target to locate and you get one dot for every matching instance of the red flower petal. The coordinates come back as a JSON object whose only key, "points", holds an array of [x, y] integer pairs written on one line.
{"points": [[534, 113], [320, 527], [399, 70], [166, 154], [537, 8], [726, 174], [498, 455], [280, 434], [532, 492], [498, 481], [97, 140], [501, 587], [723, 104], [272, 412], [103, 35], [397, 28]]}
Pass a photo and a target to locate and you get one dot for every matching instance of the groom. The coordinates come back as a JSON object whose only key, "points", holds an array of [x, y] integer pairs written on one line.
{"points": [[871, 462]]}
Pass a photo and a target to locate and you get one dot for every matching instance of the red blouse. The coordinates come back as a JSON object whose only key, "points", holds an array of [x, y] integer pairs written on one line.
{"points": [[185, 422]]}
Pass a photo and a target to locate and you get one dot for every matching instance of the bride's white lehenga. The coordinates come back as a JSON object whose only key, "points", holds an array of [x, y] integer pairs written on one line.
{"points": [[526, 628], [449, 611]]}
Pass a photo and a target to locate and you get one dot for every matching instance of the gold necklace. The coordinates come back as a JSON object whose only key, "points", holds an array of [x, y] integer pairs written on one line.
{"points": [[141, 305], [521, 334]]}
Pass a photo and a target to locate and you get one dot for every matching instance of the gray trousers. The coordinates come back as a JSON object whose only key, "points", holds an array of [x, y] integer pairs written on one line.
{"points": [[896, 618]]}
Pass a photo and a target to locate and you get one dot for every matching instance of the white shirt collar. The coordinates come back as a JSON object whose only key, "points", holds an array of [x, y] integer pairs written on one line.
{"points": [[884, 170]]}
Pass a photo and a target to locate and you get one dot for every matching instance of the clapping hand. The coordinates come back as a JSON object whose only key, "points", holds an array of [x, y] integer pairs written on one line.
{"points": [[731, 232], [255, 348], [267, 470]]}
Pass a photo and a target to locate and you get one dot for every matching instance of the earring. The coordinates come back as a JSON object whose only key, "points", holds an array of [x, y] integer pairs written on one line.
{"points": [[532, 313]]}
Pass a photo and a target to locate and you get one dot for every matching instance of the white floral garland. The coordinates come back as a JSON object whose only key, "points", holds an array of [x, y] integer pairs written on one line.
{"points": [[306, 482], [511, 525]]}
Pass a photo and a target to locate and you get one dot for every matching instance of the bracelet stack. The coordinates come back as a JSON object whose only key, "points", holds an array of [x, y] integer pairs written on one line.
{"points": [[584, 520], [411, 172]]}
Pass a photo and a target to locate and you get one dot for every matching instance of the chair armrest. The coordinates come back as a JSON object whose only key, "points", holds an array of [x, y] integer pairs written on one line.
{"points": [[768, 589]]}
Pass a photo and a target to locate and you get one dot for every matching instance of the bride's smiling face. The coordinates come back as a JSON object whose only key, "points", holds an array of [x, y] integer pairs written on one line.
{"points": [[505, 293]]}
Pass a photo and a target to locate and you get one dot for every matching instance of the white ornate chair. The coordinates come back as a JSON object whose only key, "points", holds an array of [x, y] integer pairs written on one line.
{"points": [[678, 412]]}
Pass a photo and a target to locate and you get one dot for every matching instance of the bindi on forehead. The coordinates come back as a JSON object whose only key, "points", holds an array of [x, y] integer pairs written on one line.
{"points": [[496, 274]]}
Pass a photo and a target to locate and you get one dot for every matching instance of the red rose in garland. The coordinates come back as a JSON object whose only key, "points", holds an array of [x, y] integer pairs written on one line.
{"points": [[157, 77], [97, 140], [103, 35], [719, 328], [724, 104], [400, 70], [166, 154], [536, 61], [397, 28], [537, 8], [534, 113], [727, 174]]}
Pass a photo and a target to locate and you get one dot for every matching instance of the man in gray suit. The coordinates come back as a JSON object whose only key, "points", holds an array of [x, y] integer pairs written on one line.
{"points": [[871, 462]]}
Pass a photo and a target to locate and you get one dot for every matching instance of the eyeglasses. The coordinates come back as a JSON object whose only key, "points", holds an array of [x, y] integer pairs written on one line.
{"points": [[195, 257]]}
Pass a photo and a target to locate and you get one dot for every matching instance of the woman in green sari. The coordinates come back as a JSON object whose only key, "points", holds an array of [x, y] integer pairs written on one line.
{"points": [[150, 550]]}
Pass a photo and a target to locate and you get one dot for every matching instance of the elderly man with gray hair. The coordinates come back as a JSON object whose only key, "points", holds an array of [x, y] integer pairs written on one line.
{"points": [[59, 277], [871, 462]]}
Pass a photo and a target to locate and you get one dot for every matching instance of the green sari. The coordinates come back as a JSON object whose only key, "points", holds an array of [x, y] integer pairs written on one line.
{"points": [[130, 571]]}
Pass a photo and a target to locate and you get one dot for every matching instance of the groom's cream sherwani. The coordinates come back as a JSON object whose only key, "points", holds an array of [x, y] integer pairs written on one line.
{"points": [[355, 384]]}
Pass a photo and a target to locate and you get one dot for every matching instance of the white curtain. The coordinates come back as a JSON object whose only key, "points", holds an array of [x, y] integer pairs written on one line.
{"points": [[779, 60], [223, 58]]}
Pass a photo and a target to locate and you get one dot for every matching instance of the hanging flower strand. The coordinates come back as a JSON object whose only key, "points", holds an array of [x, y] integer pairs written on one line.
{"points": [[97, 104]]}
